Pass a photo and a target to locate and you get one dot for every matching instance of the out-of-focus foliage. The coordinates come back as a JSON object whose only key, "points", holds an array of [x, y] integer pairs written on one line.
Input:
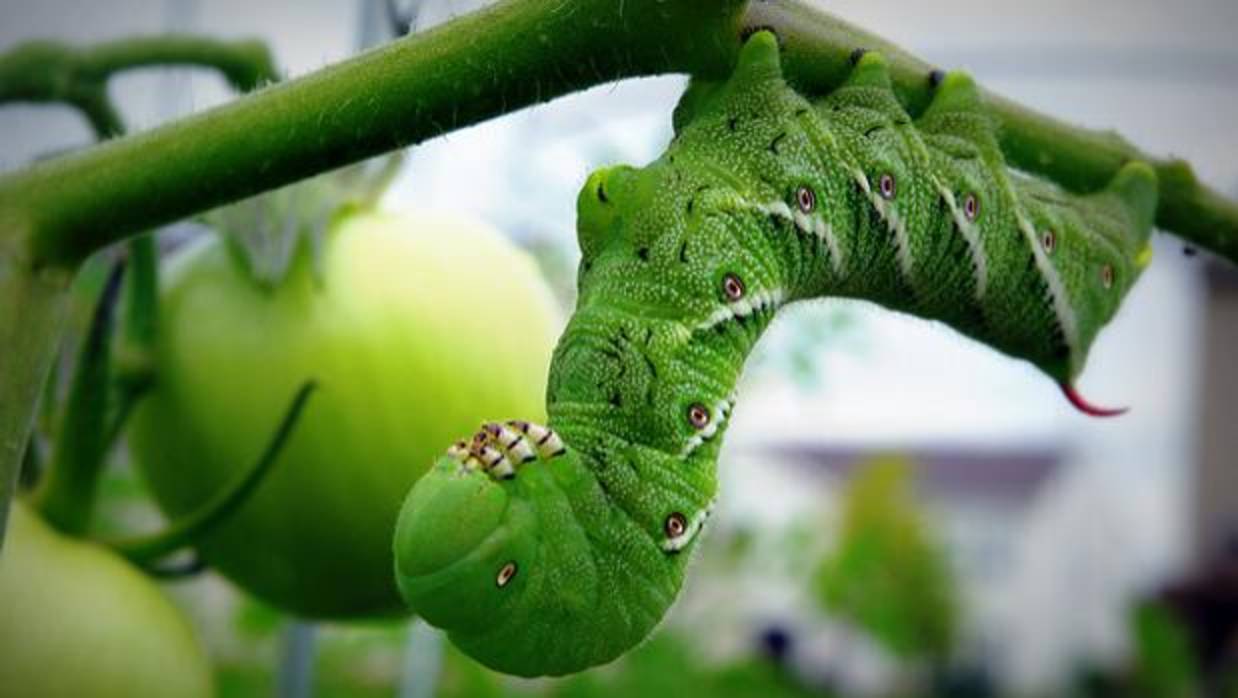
{"points": [[1164, 664], [667, 665], [888, 575]]}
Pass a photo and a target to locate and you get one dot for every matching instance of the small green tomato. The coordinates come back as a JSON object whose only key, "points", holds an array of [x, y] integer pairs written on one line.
{"points": [[416, 328], [77, 620]]}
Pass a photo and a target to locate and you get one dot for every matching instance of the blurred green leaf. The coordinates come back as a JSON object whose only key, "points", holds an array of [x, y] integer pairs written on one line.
{"points": [[256, 620], [1165, 664], [888, 575]]}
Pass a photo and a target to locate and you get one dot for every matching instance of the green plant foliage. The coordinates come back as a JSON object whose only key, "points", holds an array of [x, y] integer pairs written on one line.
{"points": [[887, 574], [1165, 664], [667, 665]]}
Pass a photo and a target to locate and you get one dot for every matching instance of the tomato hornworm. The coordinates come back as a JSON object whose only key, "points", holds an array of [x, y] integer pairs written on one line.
{"points": [[550, 549]]}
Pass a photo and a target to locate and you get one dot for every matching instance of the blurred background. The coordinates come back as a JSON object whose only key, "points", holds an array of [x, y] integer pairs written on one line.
{"points": [[903, 511]]}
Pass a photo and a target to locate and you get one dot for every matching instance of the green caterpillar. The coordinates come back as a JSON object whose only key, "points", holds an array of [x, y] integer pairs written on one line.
{"points": [[547, 550]]}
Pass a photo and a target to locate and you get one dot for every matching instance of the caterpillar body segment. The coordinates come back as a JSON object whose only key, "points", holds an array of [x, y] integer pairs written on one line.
{"points": [[551, 549]]}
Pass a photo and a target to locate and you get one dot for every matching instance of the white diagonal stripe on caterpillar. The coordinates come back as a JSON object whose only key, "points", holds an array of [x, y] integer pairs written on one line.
{"points": [[753, 302], [1057, 290], [814, 225], [980, 263], [894, 223], [826, 232], [888, 212]]}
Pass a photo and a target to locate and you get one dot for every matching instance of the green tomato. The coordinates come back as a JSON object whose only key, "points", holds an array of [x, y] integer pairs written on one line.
{"points": [[77, 620], [416, 329]]}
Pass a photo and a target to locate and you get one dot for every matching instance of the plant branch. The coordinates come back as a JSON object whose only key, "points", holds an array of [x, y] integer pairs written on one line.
{"points": [[133, 363], [33, 300], [53, 72], [32, 310], [506, 57], [66, 497], [492, 62]]}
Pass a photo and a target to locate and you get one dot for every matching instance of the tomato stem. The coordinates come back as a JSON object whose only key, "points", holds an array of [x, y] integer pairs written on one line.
{"points": [[32, 312], [134, 360], [54, 72], [66, 498], [495, 61], [33, 298], [145, 550]]}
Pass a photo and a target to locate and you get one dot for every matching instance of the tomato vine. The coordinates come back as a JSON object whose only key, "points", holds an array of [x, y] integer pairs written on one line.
{"points": [[511, 55]]}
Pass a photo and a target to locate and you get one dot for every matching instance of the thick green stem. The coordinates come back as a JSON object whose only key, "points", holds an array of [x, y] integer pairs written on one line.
{"points": [[33, 299], [495, 61], [511, 55]]}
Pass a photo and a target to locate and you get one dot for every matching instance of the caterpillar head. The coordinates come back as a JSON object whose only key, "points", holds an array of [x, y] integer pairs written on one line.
{"points": [[456, 544]]}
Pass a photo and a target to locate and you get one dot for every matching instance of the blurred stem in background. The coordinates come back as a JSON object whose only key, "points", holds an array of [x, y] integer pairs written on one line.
{"points": [[32, 308], [296, 667], [423, 661], [511, 55], [133, 350], [888, 574], [53, 72], [66, 497]]}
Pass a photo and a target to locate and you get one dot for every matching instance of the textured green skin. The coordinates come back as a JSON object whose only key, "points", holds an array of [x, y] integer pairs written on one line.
{"points": [[652, 336]]}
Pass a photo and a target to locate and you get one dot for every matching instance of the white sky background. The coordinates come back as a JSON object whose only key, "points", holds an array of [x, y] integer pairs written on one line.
{"points": [[1163, 74]]}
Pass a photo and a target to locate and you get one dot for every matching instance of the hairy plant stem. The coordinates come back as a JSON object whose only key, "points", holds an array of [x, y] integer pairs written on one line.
{"points": [[511, 55], [492, 62], [514, 54]]}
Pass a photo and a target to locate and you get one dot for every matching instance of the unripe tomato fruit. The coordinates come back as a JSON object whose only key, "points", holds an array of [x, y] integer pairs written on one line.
{"points": [[77, 620], [416, 329]]}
